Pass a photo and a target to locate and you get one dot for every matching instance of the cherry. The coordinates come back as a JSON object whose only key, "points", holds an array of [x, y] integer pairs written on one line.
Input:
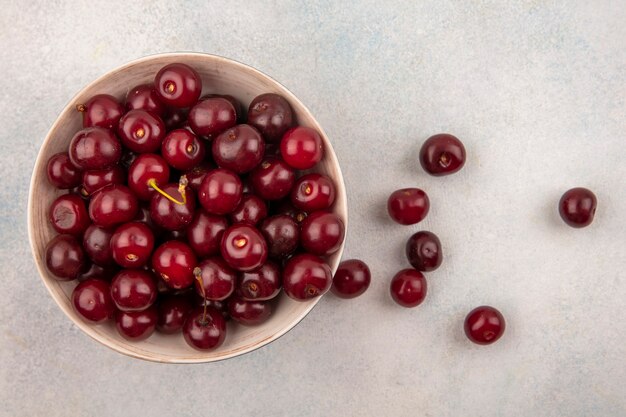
{"points": [[322, 233], [141, 131], [442, 154], [204, 234], [178, 85], [172, 215], [133, 290], [144, 97], [97, 271], [243, 247], [260, 284], [136, 325], [174, 261], [172, 311], [196, 175], [351, 279], [484, 325], [182, 149], [408, 205], [239, 148], [68, 215], [232, 100], [205, 329], [95, 180], [97, 245], [313, 192], [423, 250], [61, 172], [282, 234], [302, 147], [94, 148], [212, 116], [132, 245], [101, 110], [92, 300], [215, 280], [272, 179], [147, 169], [408, 288], [306, 276], [112, 205], [220, 191], [272, 115], [577, 207], [287, 208], [251, 210], [64, 257], [249, 313]]}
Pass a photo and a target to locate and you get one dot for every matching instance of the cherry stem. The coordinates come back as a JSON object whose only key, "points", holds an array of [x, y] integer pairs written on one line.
{"points": [[182, 184], [197, 272]]}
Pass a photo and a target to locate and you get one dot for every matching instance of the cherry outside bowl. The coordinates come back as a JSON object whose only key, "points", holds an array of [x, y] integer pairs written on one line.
{"points": [[221, 76]]}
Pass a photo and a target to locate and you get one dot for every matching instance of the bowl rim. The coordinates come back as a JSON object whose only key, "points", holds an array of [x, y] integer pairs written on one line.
{"points": [[126, 347]]}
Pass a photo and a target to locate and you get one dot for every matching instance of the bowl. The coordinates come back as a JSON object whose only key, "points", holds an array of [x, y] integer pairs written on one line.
{"points": [[219, 75]]}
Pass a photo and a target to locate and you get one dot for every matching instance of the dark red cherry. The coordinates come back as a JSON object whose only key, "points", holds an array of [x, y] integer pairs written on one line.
{"points": [[351, 279], [215, 280], [132, 244], [272, 115], [136, 325], [92, 300], [322, 233], [220, 191], [101, 110], [313, 192], [408, 205], [112, 205], [147, 169], [178, 85], [133, 290], [61, 172], [170, 215], [212, 116], [282, 234], [204, 234], [261, 284], [182, 149], [96, 271], [205, 330], [251, 210], [174, 261], [272, 179], [97, 179], [577, 207], [65, 257], [239, 148], [302, 147], [94, 148], [68, 215], [408, 288], [141, 131], [306, 276], [172, 312], [484, 325], [249, 313], [97, 245], [196, 175], [423, 250], [144, 97], [442, 154], [243, 247]]}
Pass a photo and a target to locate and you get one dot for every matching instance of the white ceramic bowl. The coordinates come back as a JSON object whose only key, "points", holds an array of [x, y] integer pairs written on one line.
{"points": [[221, 76]]}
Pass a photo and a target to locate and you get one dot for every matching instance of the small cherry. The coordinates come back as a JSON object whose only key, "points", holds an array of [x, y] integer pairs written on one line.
{"points": [[577, 207], [68, 214], [92, 300], [408, 288], [442, 154], [136, 325], [174, 261], [101, 110], [306, 276], [243, 247], [302, 147], [351, 279], [408, 205], [65, 257], [132, 244], [133, 290], [61, 172], [178, 85], [423, 250], [484, 325]]}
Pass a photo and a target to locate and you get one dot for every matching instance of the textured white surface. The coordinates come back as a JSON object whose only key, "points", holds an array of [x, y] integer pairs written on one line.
{"points": [[537, 92]]}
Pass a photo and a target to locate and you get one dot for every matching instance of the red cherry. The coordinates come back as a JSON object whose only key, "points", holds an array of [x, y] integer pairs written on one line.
{"points": [[133, 290], [220, 191], [423, 250], [174, 261], [97, 244], [261, 284], [97, 179], [205, 329], [64, 257], [322, 233], [136, 325], [69, 215], [147, 169], [61, 172], [484, 325], [306, 276], [239, 149], [172, 215], [178, 85], [272, 179], [172, 312], [408, 205], [351, 279], [243, 247], [132, 244], [272, 115], [442, 154], [144, 97], [94, 148], [112, 205], [251, 210], [302, 147], [249, 313], [141, 131], [212, 116], [577, 207], [313, 192], [101, 110], [182, 149], [204, 234], [92, 300], [215, 280], [408, 288]]}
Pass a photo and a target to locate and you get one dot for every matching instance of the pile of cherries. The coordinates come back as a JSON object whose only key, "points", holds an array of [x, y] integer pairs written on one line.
{"points": [[183, 211]]}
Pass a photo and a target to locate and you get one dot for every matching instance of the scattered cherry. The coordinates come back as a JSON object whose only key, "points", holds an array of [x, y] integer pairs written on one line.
{"points": [[261, 284], [272, 179], [94, 148], [141, 131], [577, 207], [64, 257], [249, 313], [484, 325], [178, 85], [204, 234], [61, 172], [408, 288], [133, 290], [92, 300], [101, 110], [212, 116], [313, 192], [306, 276], [282, 234], [136, 325], [144, 97], [442, 154], [322, 233], [174, 261], [239, 148], [408, 205], [243, 247], [302, 147], [351, 279], [220, 191], [272, 115], [423, 250], [97, 245], [215, 280], [68, 214], [112, 205], [132, 244]]}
